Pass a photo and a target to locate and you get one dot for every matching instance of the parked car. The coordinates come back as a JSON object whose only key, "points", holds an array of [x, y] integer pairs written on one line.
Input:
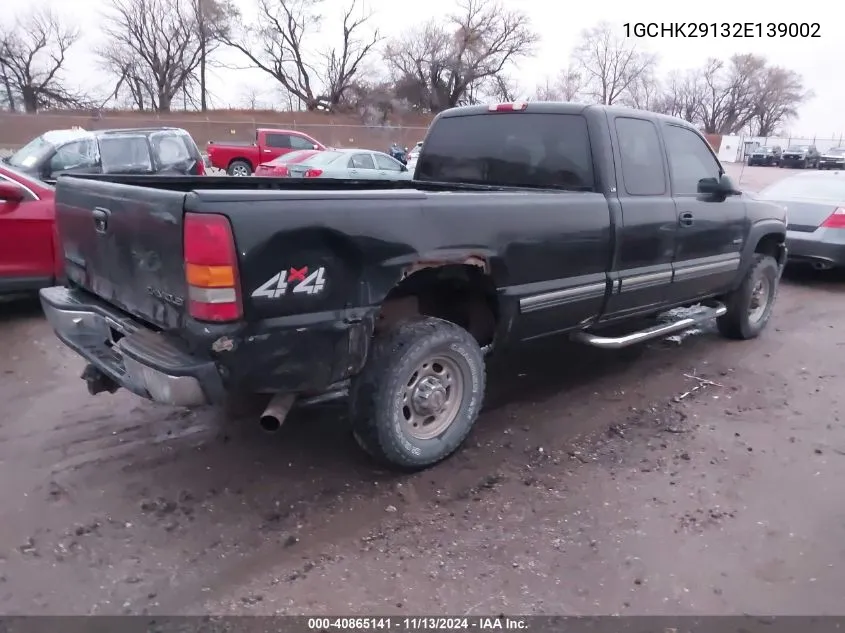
{"points": [[278, 167], [833, 159], [524, 221], [161, 150], [241, 159], [815, 208], [348, 164], [765, 156], [413, 155], [801, 156], [30, 257]]}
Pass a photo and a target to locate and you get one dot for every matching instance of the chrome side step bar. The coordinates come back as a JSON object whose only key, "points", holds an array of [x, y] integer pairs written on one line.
{"points": [[657, 331]]}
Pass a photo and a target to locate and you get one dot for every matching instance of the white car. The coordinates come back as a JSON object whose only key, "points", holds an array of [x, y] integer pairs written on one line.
{"points": [[413, 155]]}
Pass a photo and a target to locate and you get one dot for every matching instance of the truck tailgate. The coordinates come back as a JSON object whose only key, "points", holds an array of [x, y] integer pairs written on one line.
{"points": [[124, 244]]}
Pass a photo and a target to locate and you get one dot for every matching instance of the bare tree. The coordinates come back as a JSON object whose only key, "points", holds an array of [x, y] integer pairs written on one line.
{"points": [[779, 93], [154, 48], [444, 65], [280, 44], [682, 96], [729, 93], [33, 52], [644, 92], [610, 64], [375, 103], [566, 86], [503, 88]]}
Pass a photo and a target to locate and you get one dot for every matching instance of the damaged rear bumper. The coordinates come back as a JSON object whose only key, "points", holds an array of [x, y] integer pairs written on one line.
{"points": [[128, 353]]}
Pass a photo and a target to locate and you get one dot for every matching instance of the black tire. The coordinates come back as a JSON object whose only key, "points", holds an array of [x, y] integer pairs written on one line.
{"points": [[738, 323], [378, 410], [237, 167]]}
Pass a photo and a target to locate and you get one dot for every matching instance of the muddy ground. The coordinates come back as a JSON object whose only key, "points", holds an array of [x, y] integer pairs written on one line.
{"points": [[705, 477]]}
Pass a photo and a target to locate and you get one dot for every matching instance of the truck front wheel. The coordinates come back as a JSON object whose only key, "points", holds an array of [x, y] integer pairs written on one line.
{"points": [[750, 306], [419, 394]]}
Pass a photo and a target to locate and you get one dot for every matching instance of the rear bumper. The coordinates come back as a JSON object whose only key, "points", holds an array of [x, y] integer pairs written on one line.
{"points": [[831, 164], [823, 246], [135, 357]]}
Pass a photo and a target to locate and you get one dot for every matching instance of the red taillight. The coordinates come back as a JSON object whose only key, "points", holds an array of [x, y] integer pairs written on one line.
{"points": [[508, 107], [312, 173], [211, 268], [835, 220]]}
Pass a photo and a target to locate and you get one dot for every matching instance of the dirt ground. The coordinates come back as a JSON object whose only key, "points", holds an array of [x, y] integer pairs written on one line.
{"points": [[703, 478]]}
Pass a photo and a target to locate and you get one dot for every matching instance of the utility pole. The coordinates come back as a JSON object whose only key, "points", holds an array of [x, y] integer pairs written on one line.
{"points": [[203, 50]]}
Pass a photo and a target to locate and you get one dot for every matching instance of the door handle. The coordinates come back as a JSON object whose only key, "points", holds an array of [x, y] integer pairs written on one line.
{"points": [[686, 219], [268, 151], [101, 219]]}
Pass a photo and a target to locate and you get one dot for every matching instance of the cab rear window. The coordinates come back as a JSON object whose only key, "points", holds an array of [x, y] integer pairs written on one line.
{"points": [[519, 149]]}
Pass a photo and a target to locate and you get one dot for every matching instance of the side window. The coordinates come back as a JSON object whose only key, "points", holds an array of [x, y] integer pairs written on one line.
{"points": [[281, 141], [386, 162], [297, 142], [642, 157], [76, 155], [690, 160], [522, 150], [361, 161]]}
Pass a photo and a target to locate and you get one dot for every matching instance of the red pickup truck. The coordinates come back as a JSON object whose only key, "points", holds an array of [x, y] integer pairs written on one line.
{"points": [[241, 159], [29, 255]]}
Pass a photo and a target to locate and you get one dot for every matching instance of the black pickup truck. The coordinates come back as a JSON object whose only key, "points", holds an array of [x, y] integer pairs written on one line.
{"points": [[523, 221]]}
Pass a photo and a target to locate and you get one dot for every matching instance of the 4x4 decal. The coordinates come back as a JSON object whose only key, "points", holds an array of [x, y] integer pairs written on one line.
{"points": [[298, 280]]}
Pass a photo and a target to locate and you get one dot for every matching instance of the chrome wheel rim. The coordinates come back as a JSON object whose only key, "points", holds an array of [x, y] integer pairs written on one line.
{"points": [[431, 397], [239, 170], [759, 299]]}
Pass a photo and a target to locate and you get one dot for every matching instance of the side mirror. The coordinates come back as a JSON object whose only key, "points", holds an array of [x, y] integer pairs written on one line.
{"points": [[403, 168], [316, 146], [720, 187], [10, 192]]}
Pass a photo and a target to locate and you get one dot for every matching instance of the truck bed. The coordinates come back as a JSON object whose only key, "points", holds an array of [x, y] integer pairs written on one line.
{"points": [[216, 183]]}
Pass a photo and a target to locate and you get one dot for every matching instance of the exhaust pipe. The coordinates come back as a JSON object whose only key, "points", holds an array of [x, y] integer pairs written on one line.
{"points": [[276, 412]]}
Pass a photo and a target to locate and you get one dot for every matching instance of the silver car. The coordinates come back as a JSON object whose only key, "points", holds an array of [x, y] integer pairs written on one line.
{"points": [[815, 211], [350, 164]]}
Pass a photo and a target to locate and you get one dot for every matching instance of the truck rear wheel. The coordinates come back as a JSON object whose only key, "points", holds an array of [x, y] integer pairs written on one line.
{"points": [[419, 394], [750, 306], [239, 168]]}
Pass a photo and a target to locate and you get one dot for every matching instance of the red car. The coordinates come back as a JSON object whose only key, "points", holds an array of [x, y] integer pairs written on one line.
{"points": [[242, 159], [278, 166], [30, 257]]}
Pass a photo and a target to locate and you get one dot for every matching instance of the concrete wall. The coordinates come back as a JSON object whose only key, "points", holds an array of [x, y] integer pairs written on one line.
{"points": [[222, 126]]}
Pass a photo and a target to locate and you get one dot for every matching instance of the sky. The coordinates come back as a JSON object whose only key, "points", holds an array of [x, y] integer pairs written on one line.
{"points": [[559, 25]]}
